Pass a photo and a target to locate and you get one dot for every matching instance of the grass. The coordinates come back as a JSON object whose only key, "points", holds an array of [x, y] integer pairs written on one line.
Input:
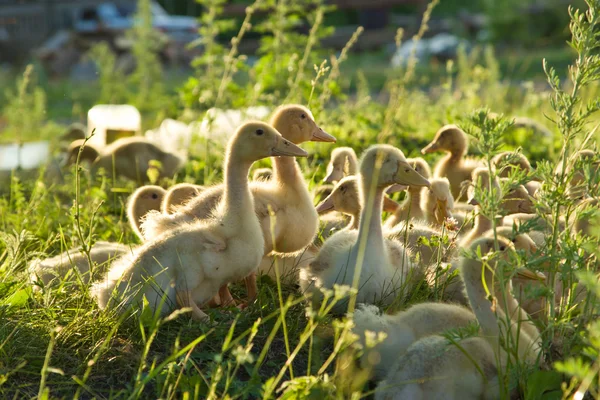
{"points": [[68, 101], [57, 343]]}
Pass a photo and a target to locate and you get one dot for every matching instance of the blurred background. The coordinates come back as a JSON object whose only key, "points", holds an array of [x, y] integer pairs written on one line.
{"points": [[77, 47], [57, 33]]}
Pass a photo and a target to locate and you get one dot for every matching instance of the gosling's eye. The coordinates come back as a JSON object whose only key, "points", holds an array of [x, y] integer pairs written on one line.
{"points": [[303, 116], [407, 170], [154, 196], [259, 132]]}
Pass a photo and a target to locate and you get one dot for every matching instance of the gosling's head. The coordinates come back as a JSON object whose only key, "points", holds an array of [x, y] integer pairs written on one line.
{"points": [[440, 190], [481, 179], [143, 200], [322, 191], [471, 268], [296, 124], [520, 241], [518, 200], [523, 242], [449, 138], [387, 165], [256, 140], [343, 198], [343, 163], [440, 199], [89, 153], [585, 155], [75, 131], [262, 174], [170, 164], [507, 161], [178, 195], [421, 166], [587, 217], [584, 161]]}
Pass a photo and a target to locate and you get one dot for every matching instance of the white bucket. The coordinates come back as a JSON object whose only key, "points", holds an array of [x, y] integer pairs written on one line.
{"points": [[110, 122]]}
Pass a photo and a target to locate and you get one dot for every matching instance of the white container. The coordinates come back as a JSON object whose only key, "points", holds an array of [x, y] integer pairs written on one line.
{"points": [[110, 122], [27, 156]]}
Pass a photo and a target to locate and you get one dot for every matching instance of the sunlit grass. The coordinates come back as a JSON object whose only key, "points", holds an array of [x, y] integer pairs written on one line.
{"points": [[56, 343]]}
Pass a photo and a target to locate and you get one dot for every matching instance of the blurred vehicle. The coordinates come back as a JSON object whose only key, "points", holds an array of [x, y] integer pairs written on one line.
{"points": [[112, 19], [4, 43], [105, 18], [179, 28], [441, 47]]}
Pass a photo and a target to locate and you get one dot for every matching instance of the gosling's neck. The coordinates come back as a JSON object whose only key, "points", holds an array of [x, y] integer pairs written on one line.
{"points": [[456, 154], [237, 198], [478, 299], [429, 204], [414, 196], [482, 223], [370, 232], [522, 329], [285, 168], [286, 172], [137, 212], [411, 207], [353, 223]]}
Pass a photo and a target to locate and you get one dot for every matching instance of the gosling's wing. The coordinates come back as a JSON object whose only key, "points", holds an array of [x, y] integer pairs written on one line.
{"points": [[212, 242], [195, 238], [264, 203]]}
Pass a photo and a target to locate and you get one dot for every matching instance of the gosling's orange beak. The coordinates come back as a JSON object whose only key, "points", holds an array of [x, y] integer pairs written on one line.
{"points": [[407, 176], [395, 188], [334, 176], [286, 148], [442, 209], [319, 135], [430, 148], [531, 275], [526, 206], [326, 205], [473, 202]]}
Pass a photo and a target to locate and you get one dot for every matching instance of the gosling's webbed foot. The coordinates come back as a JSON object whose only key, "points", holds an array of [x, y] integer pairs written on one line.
{"points": [[226, 297], [214, 302], [185, 299], [251, 287]]}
